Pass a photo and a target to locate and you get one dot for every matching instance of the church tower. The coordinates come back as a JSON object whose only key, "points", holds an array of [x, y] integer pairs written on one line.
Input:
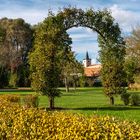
{"points": [[87, 60]]}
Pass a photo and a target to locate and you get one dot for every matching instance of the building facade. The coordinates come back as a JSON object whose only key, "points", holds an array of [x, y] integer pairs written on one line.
{"points": [[91, 71]]}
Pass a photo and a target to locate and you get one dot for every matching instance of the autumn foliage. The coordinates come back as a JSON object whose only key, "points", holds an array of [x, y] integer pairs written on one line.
{"points": [[17, 122]]}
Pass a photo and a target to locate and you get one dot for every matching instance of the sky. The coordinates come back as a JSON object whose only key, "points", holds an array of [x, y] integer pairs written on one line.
{"points": [[125, 12]]}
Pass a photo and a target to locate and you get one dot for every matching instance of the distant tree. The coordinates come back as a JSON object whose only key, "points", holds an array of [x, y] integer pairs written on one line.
{"points": [[71, 72], [15, 46], [77, 73], [71, 69], [2, 38], [3, 71], [133, 56], [66, 68], [130, 66], [3, 77]]}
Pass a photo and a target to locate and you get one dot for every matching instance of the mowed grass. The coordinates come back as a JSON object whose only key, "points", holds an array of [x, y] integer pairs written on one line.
{"points": [[88, 101]]}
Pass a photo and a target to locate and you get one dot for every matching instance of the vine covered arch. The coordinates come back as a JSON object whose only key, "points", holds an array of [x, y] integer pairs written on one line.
{"points": [[51, 35]]}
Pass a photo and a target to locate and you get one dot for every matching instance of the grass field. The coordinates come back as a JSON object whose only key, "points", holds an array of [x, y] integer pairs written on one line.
{"points": [[87, 101]]}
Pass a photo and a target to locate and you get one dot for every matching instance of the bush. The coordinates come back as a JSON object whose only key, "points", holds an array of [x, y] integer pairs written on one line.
{"points": [[135, 99], [13, 80], [89, 82], [134, 86], [31, 123], [11, 98], [125, 97], [31, 101], [20, 123]]}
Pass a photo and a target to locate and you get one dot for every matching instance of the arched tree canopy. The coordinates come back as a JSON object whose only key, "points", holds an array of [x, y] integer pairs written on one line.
{"points": [[100, 21], [51, 36]]}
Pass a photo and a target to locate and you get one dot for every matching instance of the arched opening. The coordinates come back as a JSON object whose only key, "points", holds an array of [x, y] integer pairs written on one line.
{"points": [[84, 40], [85, 48]]}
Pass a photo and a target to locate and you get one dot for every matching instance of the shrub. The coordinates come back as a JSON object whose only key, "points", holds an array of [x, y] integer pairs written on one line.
{"points": [[135, 99], [134, 86], [31, 123], [89, 82], [125, 97], [13, 80], [37, 124], [11, 98], [31, 101]]}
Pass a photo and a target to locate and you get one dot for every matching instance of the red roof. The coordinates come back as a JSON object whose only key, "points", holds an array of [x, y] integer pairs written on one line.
{"points": [[93, 70]]}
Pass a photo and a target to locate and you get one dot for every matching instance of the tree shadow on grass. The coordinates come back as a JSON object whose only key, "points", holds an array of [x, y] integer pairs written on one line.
{"points": [[69, 94], [98, 89], [83, 90], [113, 108]]}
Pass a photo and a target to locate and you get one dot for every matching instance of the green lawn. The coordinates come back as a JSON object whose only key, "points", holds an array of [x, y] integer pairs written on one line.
{"points": [[88, 101]]}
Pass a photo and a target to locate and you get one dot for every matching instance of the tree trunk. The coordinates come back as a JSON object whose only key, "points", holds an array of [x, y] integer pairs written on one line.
{"points": [[74, 84], [51, 103], [66, 85], [112, 100]]}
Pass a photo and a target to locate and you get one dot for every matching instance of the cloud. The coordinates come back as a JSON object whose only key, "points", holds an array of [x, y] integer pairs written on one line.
{"points": [[34, 11], [30, 16], [84, 40], [126, 18], [82, 34], [83, 37], [83, 47], [31, 11], [134, 0]]}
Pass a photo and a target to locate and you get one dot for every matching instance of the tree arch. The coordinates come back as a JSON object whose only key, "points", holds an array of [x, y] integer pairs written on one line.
{"points": [[51, 35]]}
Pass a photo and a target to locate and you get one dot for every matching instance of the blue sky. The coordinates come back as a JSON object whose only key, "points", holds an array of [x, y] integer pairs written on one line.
{"points": [[125, 12]]}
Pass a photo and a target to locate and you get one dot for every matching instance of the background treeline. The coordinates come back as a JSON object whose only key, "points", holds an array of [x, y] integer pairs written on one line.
{"points": [[17, 40], [132, 60]]}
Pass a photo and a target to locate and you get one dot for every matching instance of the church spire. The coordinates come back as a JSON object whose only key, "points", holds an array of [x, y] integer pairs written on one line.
{"points": [[87, 60], [87, 56]]}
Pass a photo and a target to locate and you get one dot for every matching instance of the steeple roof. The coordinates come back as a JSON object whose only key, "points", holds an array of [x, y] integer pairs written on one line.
{"points": [[87, 56]]}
